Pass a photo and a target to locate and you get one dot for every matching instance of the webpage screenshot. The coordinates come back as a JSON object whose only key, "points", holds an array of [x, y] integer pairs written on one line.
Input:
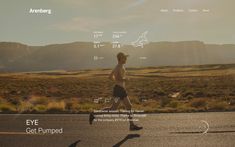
{"points": [[111, 73]]}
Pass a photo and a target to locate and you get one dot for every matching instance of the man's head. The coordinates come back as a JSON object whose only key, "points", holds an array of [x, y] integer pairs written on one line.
{"points": [[121, 57]]}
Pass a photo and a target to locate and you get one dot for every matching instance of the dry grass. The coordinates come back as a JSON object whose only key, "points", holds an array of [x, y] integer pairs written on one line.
{"points": [[200, 88], [218, 105], [56, 106], [198, 102]]}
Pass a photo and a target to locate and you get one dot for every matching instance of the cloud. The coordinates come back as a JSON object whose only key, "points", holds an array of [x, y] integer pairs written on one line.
{"points": [[136, 3], [87, 24]]}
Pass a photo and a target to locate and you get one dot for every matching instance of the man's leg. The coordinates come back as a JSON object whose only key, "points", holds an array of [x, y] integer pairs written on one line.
{"points": [[128, 106]]}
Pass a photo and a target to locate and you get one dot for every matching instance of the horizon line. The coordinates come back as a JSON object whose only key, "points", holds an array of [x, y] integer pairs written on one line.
{"points": [[111, 42]]}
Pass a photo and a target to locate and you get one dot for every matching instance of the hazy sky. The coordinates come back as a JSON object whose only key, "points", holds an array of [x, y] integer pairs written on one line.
{"points": [[75, 20]]}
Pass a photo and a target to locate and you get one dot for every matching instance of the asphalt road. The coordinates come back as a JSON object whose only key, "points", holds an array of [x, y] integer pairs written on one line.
{"points": [[171, 129]]}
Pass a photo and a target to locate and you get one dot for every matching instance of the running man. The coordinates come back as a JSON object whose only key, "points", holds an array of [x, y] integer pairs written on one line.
{"points": [[118, 75]]}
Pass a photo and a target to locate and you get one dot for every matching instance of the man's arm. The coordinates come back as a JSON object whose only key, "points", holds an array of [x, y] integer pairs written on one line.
{"points": [[111, 75]]}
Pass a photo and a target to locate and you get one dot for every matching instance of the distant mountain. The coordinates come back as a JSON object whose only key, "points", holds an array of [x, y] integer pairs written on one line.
{"points": [[13, 52], [81, 55]]}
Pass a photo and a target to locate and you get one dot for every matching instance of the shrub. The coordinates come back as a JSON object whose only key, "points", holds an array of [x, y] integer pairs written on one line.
{"points": [[199, 94], [38, 100], [71, 104], [218, 105], [56, 106], [159, 92], [7, 108], [85, 107], [198, 103], [25, 106], [135, 100], [188, 94], [2, 100], [40, 108], [14, 100], [150, 103], [173, 104], [164, 101]]}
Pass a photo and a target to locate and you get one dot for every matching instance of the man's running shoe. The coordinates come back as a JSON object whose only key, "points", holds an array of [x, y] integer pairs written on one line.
{"points": [[135, 128]]}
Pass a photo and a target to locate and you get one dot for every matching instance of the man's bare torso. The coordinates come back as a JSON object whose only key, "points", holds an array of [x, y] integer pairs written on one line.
{"points": [[119, 73]]}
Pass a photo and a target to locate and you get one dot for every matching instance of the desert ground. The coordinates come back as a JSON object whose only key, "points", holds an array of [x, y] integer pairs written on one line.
{"points": [[198, 88]]}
